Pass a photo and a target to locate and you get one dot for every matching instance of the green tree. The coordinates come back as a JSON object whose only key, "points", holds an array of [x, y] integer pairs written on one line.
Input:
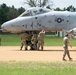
{"points": [[3, 13], [70, 7], [64, 9], [12, 13], [58, 9], [8, 13], [21, 10]]}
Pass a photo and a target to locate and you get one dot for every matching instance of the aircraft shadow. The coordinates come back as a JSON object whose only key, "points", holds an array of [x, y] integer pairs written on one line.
{"points": [[46, 50], [59, 50]]}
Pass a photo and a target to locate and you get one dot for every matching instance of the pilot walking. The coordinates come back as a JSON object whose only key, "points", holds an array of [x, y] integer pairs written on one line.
{"points": [[41, 39], [65, 46]]}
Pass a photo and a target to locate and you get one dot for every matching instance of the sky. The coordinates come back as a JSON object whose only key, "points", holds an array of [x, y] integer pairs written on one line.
{"points": [[57, 3]]}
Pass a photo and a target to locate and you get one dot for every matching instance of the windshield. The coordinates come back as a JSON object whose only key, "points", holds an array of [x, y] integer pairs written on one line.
{"points": [[26, 13], [40, 11], [34, 11]]}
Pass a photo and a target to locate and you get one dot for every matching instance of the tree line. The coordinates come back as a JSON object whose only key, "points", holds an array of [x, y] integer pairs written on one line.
{"points": [[8, 13]]}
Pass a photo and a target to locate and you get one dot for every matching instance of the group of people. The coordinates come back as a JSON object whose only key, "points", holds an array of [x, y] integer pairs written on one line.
{"points": [[35, 40]]}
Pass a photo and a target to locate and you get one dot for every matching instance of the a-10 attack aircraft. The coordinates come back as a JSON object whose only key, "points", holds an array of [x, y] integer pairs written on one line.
{"points": [[37, 18]]}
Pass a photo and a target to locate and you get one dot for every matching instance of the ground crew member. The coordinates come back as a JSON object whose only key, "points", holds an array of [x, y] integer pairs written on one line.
{"points": [[35, 40], [26, 40], [23, 40], [32, 47], [65, 46], [41, 39]]}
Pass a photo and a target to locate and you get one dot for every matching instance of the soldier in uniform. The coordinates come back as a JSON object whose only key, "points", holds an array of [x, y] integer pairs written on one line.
{"points": [[34, 41], [65, 46], [32, 47], [41, 39], [26, 40], [23, 40]]}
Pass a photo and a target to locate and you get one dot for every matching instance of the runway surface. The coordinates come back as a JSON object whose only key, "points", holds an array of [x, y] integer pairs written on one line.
{"points": [[49, 54]]}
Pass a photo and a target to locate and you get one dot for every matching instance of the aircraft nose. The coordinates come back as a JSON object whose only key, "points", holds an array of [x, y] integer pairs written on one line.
{"points": [[2, 26]]}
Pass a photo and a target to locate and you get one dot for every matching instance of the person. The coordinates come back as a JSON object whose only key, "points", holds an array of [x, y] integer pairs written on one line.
{"points": [[26, 40], [23, 40], [32, 47], [41, 39], [33, 44], [65, 46], [35, 40]]}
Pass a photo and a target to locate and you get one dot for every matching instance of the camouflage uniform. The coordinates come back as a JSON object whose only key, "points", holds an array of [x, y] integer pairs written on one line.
{"points": [[23, 40], [28, 41], [41, 39], [65, 46], [34, 41], [32, 44]]}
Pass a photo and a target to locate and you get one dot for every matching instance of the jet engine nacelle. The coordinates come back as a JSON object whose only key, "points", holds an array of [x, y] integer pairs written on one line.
{"points": [[73, 33]]}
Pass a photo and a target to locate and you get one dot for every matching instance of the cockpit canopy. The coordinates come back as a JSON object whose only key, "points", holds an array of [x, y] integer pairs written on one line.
{"points": [[34, 11]]}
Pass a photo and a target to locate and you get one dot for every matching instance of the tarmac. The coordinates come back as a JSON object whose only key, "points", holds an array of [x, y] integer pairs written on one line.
{"points": [[49, 54]]}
